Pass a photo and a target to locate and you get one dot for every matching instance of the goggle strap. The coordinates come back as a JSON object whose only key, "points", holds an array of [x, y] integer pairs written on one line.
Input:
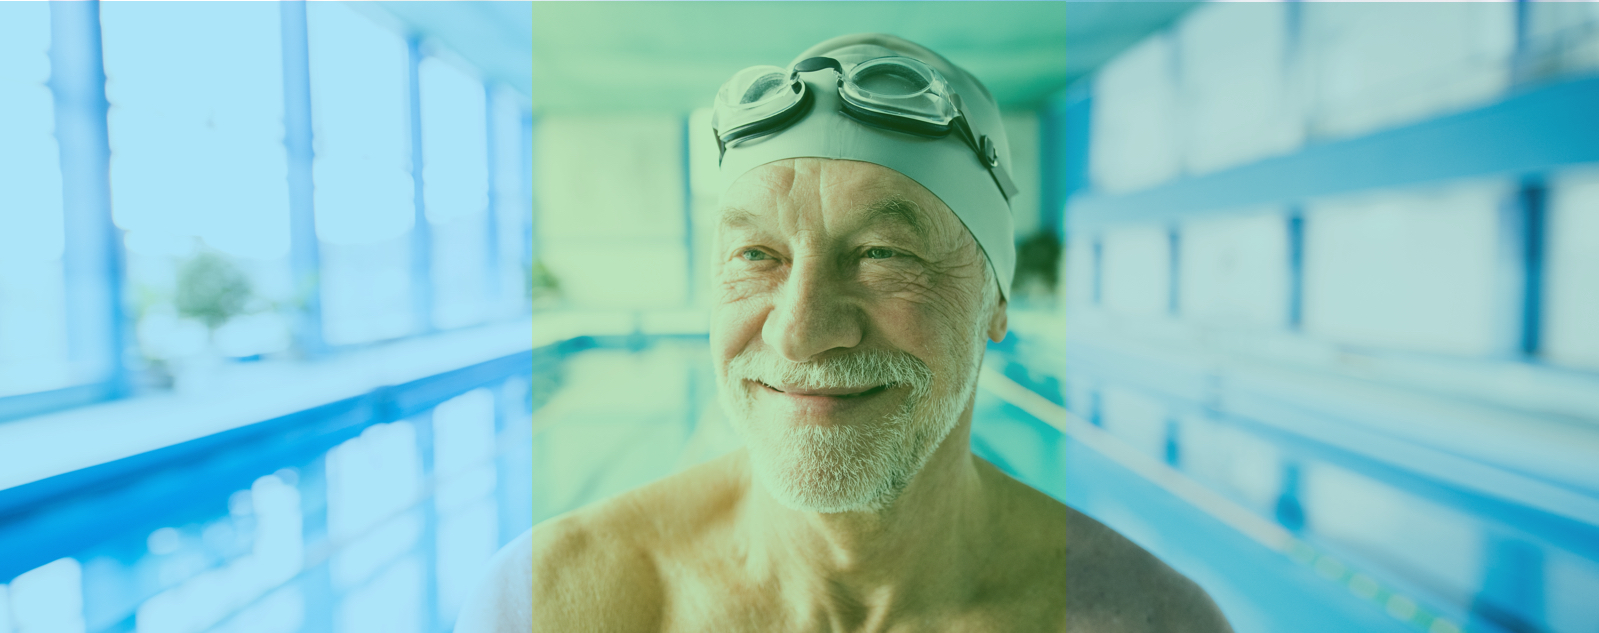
{"points": [[987, 152], [1006, 185]]}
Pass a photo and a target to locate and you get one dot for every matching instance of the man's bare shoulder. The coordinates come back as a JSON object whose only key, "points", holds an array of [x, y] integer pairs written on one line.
{"points": [[598, 567], [1102, 581], [1118, 586], [583, 576]]}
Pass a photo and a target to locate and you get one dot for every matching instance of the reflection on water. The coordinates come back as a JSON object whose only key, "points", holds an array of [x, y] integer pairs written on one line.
{"points": [[372, 481], [384, 532], [463, 446], [48, 598], [205, 598]]}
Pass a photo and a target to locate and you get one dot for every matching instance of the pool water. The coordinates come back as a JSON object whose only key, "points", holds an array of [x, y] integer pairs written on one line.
{"points": [[381, 516], [331, 523], [620, 418]]}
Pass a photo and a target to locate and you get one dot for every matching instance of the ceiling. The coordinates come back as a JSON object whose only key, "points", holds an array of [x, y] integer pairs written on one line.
{"points": [[672, 56]]}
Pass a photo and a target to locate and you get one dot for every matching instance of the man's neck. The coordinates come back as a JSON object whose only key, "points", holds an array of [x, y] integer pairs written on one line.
{"points": [[855, 568]]}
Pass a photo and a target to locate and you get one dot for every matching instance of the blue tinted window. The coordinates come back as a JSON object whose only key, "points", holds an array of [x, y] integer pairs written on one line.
{"points": [[33, 333]]}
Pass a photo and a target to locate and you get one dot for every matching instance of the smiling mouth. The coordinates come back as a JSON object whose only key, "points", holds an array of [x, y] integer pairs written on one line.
{"points": [[841, 394]]}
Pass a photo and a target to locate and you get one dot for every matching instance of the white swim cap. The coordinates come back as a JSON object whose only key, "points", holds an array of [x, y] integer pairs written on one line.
{"points": [[947, 167]]}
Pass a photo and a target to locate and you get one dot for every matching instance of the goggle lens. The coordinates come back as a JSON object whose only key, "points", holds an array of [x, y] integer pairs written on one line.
{"points": [[753, 86], [900, 88], [763, 89], [891, 80], [754, 100]]}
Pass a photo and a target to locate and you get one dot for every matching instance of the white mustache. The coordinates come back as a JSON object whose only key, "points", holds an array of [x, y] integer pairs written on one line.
{"points": [[858, 370]]}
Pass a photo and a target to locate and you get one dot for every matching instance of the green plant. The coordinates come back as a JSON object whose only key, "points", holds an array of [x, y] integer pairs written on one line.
{"points": [[211, 289], [540, 281], [1038, 262]]}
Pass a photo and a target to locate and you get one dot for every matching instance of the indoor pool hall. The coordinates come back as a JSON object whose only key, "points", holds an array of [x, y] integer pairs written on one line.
{"points": [[420, 317]]}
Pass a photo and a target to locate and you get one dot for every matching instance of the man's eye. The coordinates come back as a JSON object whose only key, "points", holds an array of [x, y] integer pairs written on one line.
{"points": [[752, 255], [879, 253]]}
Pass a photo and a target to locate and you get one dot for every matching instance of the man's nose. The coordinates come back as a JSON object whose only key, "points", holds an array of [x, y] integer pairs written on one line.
{"points": [[810, 315]]}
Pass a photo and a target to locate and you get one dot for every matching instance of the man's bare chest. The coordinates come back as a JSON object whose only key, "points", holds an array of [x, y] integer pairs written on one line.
{"points": [[700, 601]]}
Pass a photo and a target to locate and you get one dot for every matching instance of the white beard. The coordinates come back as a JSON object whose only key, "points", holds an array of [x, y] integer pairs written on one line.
{"points": [[861, 467]]}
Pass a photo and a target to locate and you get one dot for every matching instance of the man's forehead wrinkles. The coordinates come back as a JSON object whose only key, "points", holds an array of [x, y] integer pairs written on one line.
{"points": [[732, 217], [800, 200], [777, 216], [896, 210]]}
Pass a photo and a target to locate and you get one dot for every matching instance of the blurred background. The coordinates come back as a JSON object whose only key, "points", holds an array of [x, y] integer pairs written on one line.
{"points": [[264, 301], [1307, 299]]}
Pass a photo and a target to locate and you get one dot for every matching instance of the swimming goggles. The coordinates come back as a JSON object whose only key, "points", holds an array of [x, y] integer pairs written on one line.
{"points": [[900, 94]]}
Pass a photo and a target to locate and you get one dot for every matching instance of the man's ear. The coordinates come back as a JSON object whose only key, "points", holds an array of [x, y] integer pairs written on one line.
{"points": [[997, 323]]}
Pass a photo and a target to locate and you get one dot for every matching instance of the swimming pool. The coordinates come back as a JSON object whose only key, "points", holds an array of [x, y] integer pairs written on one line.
{"points": [[622, 415], [378, 512]]}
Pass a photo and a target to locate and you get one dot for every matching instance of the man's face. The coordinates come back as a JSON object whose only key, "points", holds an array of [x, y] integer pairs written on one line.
{"points": [[848, 328]]}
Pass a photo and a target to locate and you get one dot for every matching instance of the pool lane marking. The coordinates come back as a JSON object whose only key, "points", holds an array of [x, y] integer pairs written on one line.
{"points": [[1229, 512], [1258, 529]]}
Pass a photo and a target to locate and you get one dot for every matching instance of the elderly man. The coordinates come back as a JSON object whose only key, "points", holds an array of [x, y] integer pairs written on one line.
{"points": [[864, 258]]}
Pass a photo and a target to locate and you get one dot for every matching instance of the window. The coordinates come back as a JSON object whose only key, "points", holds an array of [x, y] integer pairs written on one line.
{"points": [[364, 194], [1235, 270], [1080, 272], [34, 341], [613, 246], [511, 217], [1410, 270], [1379, 65], [1238, 90], [1137, 271], [1571, 305], [199, 173], [455, 180], [1135, 119]]}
